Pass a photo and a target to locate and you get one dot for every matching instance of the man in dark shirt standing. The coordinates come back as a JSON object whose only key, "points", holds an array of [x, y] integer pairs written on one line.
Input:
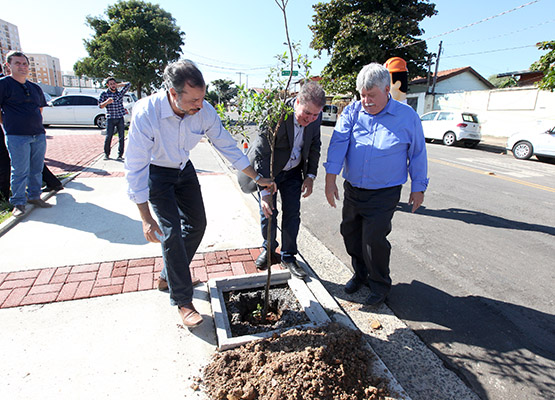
{"points": [[21, 103], [112, 99]]}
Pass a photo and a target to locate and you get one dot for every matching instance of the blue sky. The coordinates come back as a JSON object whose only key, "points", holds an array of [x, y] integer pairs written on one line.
{"points": [[227, 37]]}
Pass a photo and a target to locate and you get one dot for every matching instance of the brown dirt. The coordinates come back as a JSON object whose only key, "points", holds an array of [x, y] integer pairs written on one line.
{"points": [[327, 363]]}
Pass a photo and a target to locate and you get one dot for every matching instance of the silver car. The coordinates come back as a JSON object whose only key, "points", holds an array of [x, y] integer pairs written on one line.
{"points": [[451, 127], [526, 145]]}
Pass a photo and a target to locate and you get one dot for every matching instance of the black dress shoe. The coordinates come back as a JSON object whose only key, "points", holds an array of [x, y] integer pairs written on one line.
{"points": [[375, 299], [262, 260], [293, 266], [53, 189], [353, 285]]}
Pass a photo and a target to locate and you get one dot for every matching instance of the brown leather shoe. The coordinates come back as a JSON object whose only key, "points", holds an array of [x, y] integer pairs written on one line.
{"points": [[163, 284], [190, 315], [39, 203]]}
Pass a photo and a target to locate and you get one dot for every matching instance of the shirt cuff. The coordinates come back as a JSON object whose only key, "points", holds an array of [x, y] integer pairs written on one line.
{"points": [[419, 186], [333, 168]]}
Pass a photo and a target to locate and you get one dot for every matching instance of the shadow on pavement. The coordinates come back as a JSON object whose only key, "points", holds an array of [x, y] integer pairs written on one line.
{"points": [[479, 218], [511, 336]]}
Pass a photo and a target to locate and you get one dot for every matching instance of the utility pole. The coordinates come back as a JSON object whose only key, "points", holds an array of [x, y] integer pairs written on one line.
{"points": [[429, 75], [437, 65], [240, 73]]}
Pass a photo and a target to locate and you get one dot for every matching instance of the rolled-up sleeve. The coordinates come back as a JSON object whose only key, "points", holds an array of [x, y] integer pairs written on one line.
{"points": [[339, 143], [418, 159], [138, 157]]}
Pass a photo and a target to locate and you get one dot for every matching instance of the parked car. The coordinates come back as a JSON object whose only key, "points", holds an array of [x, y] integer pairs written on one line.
{"points": [[129, 98], [526, 145], [78, 109], [451, 127], [329, 114]]}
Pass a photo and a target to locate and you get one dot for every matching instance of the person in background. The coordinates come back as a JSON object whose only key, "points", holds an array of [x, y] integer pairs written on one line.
{"points": [[377, 142], [112, 100], [21, 103]]}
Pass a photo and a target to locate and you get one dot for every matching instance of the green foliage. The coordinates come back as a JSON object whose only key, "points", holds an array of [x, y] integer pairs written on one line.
{"points": [[546, 64], [224, 92], [134, 42], [356, 33], [504, 82]]}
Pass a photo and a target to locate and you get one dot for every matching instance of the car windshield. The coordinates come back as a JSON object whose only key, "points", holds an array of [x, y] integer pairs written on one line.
{"points": [[470, 118]]}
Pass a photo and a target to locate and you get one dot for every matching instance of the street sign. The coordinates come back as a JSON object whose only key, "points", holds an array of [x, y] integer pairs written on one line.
{"points": [[287, 73]]}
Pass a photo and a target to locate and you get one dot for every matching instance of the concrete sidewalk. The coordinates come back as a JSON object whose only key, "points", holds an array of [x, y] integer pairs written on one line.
{"points": [[80, 318]]}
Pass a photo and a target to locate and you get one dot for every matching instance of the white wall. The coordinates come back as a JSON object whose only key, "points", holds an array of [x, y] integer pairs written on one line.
{"points": [[502, 112]]}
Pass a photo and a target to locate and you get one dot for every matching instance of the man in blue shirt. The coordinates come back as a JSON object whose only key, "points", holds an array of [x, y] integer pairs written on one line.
{"points": [[377, 142], [112, 99], [21, 103]]}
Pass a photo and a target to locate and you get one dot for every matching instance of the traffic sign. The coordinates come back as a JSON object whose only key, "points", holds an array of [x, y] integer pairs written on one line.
{"points": [[287, 73]]}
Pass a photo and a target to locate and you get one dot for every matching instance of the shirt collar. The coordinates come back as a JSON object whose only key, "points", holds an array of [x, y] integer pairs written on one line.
{"points": [[166, 109]]}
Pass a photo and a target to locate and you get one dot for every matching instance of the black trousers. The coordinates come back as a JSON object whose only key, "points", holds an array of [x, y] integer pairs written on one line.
{"points": [[366, 222]]}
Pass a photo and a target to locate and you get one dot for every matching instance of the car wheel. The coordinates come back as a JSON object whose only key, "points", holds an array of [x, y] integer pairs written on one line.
{"points": [[449, 139], [100, 121], [523, 150]]}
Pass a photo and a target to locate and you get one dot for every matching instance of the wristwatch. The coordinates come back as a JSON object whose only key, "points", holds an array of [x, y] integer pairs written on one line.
{"points": [[258, 177]]}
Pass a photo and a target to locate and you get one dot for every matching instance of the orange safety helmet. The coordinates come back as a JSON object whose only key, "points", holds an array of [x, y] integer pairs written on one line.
{"points": [[396, 64]]}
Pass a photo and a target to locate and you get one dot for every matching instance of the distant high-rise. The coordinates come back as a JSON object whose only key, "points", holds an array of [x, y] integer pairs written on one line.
{"points": [[44, 68], [9, 39]]}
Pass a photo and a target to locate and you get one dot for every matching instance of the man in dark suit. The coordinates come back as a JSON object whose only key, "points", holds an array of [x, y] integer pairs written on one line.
{"points": [[296, 156]]}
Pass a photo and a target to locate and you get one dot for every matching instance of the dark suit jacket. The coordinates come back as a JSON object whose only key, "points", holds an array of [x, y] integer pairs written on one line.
{"points": [[259, 151]]}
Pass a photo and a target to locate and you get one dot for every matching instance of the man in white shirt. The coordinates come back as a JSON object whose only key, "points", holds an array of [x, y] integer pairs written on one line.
{"points": [[165, 127]]}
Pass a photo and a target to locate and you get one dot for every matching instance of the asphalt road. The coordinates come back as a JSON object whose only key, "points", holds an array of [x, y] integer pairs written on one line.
{"points": [[473, 269]]}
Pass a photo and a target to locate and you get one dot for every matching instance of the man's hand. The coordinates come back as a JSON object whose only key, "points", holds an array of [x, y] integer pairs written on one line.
{"points": [[416, 199], [150, 226], [150, 229], [266, 204], [307, 186], [331, 191], [267, 183]]}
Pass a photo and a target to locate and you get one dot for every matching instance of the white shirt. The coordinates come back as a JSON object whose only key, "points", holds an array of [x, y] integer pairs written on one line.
{"points": [[298, 141], [158, 136]]}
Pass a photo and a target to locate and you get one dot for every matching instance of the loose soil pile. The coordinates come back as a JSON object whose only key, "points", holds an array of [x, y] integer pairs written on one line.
{"points": [[326, 363]]}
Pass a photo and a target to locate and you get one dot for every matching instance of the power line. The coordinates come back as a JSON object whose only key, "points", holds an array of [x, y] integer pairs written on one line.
{"points": [[503, 35], [242, 66], [490, 51], [469, 25], [232, 68]]}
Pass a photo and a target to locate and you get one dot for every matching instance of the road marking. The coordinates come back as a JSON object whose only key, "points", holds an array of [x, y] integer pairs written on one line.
{"points": [[506, 178]]}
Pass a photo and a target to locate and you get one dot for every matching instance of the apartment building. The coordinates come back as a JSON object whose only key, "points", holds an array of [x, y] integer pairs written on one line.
{"points": [[9, 39], [45, 69]]}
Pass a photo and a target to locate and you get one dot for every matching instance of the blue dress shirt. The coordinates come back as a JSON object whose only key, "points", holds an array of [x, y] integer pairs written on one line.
{"points": [[379, 151]]}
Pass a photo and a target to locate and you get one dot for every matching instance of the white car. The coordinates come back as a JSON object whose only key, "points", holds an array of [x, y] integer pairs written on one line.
{"points": [[329, 114], [526, 145], [451, 127], [78, 109]]}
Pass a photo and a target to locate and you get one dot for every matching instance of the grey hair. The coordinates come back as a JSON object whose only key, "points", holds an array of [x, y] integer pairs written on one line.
{"points": [[311, 92], [373, 75], [182, 72]]}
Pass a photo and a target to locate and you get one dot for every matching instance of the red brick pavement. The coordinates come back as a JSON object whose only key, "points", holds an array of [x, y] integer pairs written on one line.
{"points": [[73, 153], [50, 285]]}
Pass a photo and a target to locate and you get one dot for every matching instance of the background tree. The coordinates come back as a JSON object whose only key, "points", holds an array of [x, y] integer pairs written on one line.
{"points": [[503, 82], [134, 43], [225, 90], [357, 32], [546, 64]]}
